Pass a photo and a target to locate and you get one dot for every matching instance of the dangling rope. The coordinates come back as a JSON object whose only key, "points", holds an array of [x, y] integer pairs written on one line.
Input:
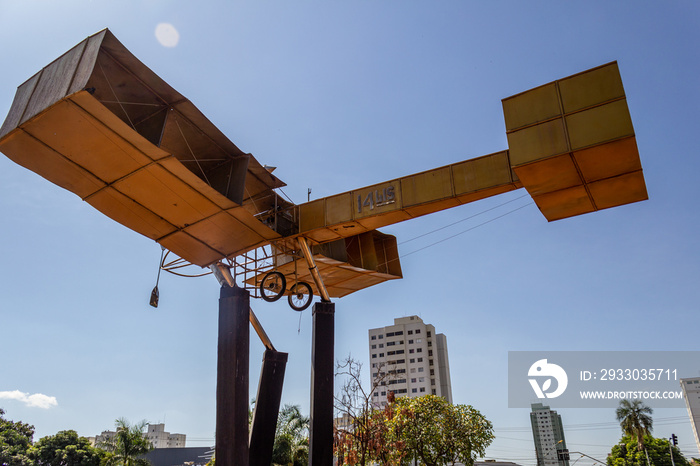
{"points": [[155, 294]]}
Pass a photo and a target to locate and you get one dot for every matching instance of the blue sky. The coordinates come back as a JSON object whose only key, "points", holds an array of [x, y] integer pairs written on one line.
{"points": [[340, 95]]}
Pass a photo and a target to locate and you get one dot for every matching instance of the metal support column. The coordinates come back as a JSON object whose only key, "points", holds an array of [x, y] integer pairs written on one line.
{"points": [[267, 406], [232, 377], [322, 372]]}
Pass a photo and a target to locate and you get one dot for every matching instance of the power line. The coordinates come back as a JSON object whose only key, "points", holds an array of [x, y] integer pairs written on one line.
{"points": [[464, 219], [598, 425], [464, 231]]}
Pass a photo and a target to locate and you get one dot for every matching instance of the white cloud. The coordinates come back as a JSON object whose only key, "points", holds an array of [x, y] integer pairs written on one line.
{"points": [[37, 400]]}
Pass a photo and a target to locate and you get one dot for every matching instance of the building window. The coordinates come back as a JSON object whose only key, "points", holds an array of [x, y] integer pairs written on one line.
{"points": [[400, 332], [381, 355], [414, 390], [411, 351], [429, 334], [420, 359], [420, 369], [390, 343], [413, 380], [417, 331], [374, 337], [381, 345], [410, 342], [412, 360], [390, 334], [422, 389], [381, 336], [374, 346], [419, 350], [374, 355], [430, 352], [432, 381], [401, 361], [410, 332]]}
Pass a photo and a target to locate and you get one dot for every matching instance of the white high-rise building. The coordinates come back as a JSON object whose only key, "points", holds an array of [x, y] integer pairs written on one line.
{"points": [[548, 433], [410, 359], [691, 393]]}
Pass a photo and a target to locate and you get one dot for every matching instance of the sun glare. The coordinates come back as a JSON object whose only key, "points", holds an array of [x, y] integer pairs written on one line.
{"points": [[167, 35]]}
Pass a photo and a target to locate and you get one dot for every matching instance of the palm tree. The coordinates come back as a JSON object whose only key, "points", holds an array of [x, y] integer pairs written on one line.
{"points": [[291, 437], [127, 445], [635, 419]]}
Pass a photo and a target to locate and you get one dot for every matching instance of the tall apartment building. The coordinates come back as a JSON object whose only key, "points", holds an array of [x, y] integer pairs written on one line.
{"points": [[410, 359], [691, 393], [548, 433]]}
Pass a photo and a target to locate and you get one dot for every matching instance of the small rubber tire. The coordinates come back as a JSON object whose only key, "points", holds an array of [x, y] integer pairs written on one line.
{"points": [[300, 296], [273, 286]]}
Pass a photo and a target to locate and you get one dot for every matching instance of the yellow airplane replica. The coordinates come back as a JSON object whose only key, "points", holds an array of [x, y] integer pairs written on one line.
{"points": [[102, 125]]}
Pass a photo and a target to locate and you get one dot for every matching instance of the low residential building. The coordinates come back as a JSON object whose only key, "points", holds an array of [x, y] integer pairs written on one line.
{"points": [[155, 433], [161, 439]]}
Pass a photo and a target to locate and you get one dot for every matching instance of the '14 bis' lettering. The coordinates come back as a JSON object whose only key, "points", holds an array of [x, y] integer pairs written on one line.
{"points": [[376, 198]]}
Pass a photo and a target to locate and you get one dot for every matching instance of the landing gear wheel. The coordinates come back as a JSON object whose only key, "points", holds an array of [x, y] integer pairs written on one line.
{"points": [[272, 286], [301, 296]]}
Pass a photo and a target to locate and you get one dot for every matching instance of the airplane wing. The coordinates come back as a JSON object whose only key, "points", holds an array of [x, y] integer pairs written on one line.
{"points": [[100, 124]]}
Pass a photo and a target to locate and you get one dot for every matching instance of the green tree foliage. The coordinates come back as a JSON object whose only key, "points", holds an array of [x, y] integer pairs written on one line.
{"points": [[438, 433], [627, 453], [427, 428], [127, 446], [291, 437], [635, 420], [65, 448], [15, 440]]}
